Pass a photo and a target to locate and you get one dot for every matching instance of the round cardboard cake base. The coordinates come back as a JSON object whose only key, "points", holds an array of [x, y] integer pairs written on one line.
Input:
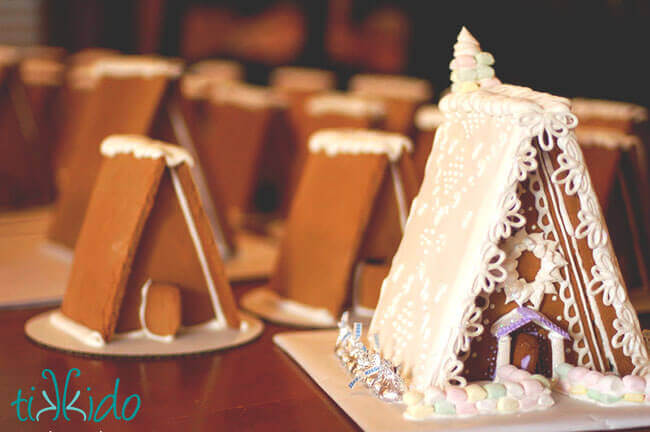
{"points": [[273, 308], [193, 341]]}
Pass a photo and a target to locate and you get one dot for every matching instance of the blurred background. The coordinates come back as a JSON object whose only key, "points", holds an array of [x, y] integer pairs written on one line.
{"points": [[592, 48]]}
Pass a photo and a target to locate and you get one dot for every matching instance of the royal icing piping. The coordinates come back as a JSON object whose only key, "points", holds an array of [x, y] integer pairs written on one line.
{"points": [[295, 78], [80, 332], [219, 69], [390, 86], [359, 141], [144, 148], [142, 315], [346, 105], [134, 66], [605, 109], [246, 96], [523, 117], [428, 117]]}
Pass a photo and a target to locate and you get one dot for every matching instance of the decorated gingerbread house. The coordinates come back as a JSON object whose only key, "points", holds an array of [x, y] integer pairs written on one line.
{"points": [[341, 235], [153, 267], [401, 95], [427, 120], [506, 270]]}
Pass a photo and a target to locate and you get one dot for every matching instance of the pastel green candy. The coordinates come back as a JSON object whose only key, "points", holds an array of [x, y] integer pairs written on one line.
{"points": [[484, 58], [475, 393], [563, 369], [495, 390], [594, 395], [542, 379], [453, 76], [610, 399], [602, 397], [444, 407], [484, 72], [466, 74]]}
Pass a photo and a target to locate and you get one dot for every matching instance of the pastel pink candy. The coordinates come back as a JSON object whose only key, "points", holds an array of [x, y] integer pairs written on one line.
{"points": [[532, 387], [592, 378], [453, 65], [456, 394], [465, 61], [466, 408], [577, 374], [505, 372], [634, 383], [519, 375], [528, 403]]}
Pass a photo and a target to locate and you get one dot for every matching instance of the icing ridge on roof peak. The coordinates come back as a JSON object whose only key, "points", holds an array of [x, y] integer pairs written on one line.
{"points": [[142, 147], [359, 141], [504, 100]]}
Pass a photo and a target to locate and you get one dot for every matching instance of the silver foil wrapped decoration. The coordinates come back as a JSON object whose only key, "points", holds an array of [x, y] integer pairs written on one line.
{"points": [[366, 365]]}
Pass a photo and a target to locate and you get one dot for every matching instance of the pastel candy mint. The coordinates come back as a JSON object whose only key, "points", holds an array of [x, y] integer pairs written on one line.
{"points": [[542, 380], [444, 407], [514, 389], [466, 74], [505, 372], [634, 383], [562, 370], [528, 403], [546, 400], [577, 374], [464, 87], [432, 395], [634, 397], [475, 393], [532, 387], [412, 398], [611, 384], [484, 72], [466, 408], [578, 389], [495, 390], [419, 412], [507, 405], [484, 58], [487, 405], [456, 394], [592, 378], [465, 61]]}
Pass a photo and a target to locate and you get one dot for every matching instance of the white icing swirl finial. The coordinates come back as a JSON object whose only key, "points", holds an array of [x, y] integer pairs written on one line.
{"points": [[471, 67]]}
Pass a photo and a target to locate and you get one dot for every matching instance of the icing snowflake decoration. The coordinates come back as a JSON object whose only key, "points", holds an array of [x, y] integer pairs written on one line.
{"points": [[550, 262], [471, 68]]}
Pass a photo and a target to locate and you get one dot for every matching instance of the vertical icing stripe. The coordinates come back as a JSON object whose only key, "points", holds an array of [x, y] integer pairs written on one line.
{"points": [[187, 214]]}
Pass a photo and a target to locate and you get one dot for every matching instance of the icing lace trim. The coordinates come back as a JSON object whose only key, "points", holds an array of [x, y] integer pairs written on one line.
{"points": [[549, 128]]}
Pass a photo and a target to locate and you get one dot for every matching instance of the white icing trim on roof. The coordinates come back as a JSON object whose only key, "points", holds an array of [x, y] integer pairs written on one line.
{"points": [[429, 117], [199, 86], [37, 71], [608, 110], [222, 69], [504, 100], [359, 141], [391, 86], [297, 78], [136, 66], [607, 138], [247, 96], [142, 147], [345, 104]]}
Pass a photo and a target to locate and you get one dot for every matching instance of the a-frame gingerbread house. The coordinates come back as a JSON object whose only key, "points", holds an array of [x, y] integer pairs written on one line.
{"points": [[506, 257], [153, 266]]}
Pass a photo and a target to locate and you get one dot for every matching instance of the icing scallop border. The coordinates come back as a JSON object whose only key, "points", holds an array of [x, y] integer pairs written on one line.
{"points": [[144, 148], [359, 141]]}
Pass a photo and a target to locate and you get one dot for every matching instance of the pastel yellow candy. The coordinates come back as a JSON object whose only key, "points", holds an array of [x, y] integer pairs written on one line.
{"points": [[453, 76], [419, 411], [578, 389], [464, 87], [634, 397], [475, 393], [412, 398], [506, 404]]}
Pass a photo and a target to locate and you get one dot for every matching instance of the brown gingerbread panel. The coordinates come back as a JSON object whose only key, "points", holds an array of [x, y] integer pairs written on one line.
{"points": [[327, 220], [118, 208]]}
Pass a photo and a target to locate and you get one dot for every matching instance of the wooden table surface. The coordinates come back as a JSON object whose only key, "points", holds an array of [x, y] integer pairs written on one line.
{"points": [[255, 387]]}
